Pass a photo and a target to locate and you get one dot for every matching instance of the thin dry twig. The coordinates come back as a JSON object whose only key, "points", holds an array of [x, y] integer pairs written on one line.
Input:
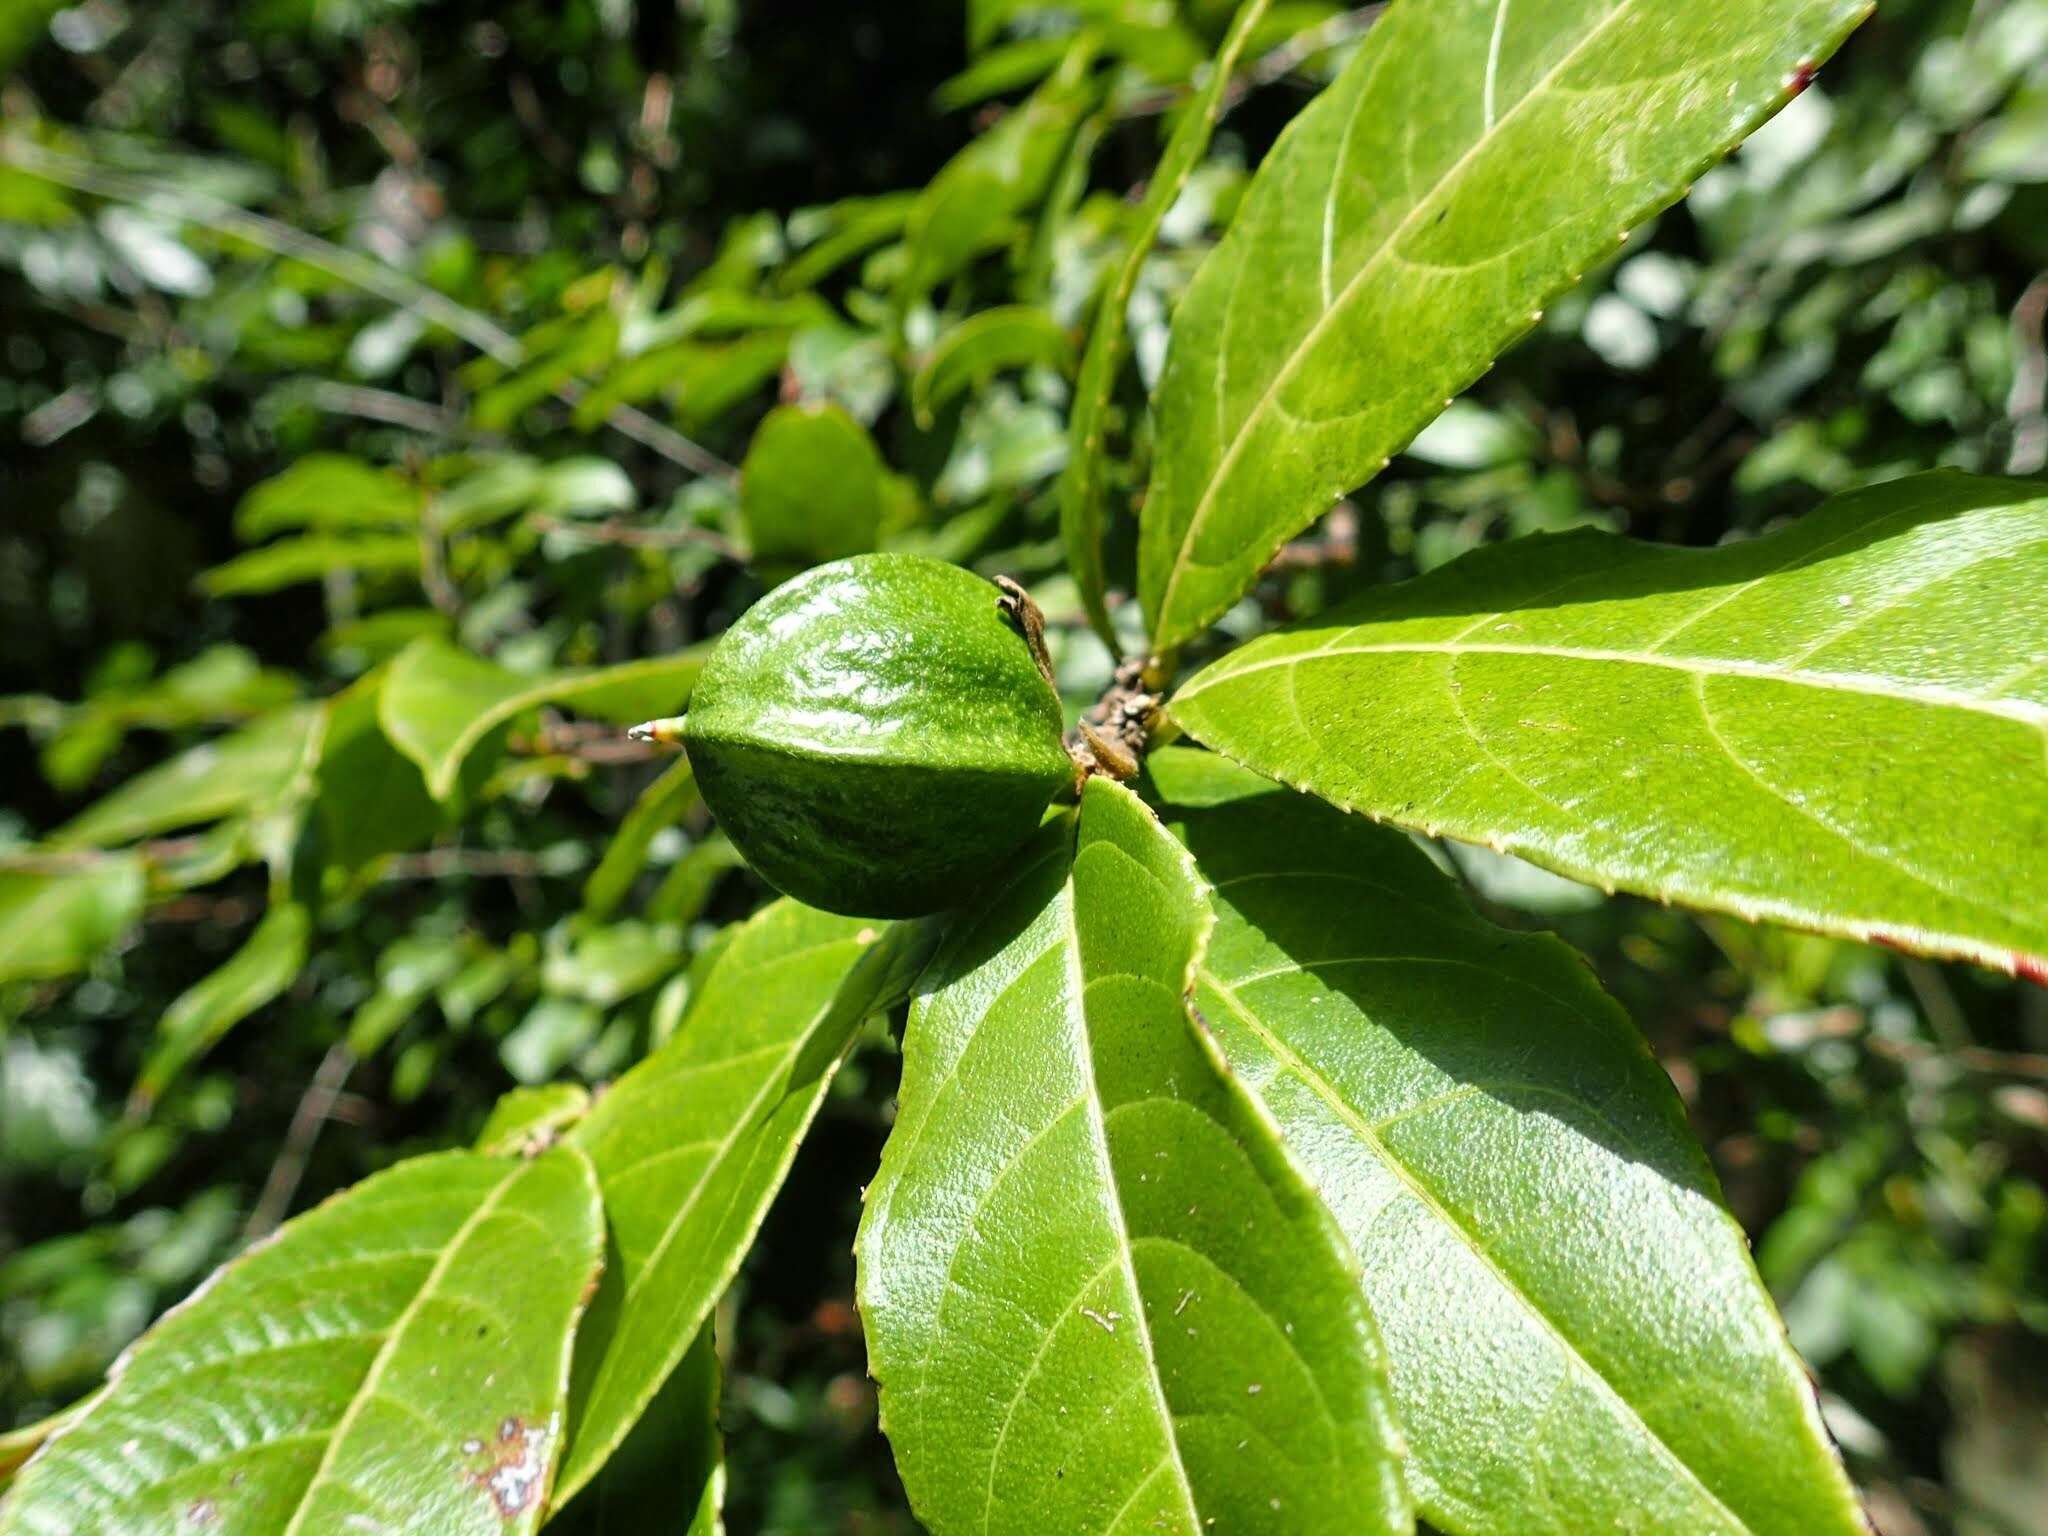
{"points": [[392, 409], [315, 1105], [1275, 64], [439, 863], [2027, 404]]}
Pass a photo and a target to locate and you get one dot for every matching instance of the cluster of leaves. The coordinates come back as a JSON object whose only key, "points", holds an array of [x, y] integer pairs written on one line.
{"points": [[399, 848]]}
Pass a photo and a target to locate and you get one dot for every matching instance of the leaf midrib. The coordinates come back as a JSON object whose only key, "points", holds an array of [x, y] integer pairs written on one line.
{"points": [[1487, 136], [1363, 1129], [1933, 695], [1099, 1141]]}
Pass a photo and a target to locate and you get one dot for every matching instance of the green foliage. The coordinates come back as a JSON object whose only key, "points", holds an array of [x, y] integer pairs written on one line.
{"points": [[1543, 1210], [440, 1296], [55, 919], [410, 400], [1391, 247], [813, 487], [1084, 494], [691, 1145], [1167, 1328], [1756, 729]]}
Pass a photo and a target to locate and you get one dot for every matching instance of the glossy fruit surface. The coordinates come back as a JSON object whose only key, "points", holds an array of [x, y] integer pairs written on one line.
{"points": [[875, 737]]}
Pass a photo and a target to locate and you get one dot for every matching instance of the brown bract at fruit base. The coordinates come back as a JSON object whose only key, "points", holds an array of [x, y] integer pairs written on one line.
{"points": [[1112, 738]]}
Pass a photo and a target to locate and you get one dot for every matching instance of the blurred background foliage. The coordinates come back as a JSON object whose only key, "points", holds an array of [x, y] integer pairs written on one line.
{"points": [[395, 393]]}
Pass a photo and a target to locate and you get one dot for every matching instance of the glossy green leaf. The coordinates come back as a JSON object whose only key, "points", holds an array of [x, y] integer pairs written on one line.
{"points": [[532, 1117], [409, 970], [440, 701], [222, 684], [1578, 1340], [612, 961], [1009, 67], [971, 205], [1826, 727], [831, 236], [1471, 162], [373, 799], [1084, 489], [328, 491], [186, 863], [669, 1475], [55, 917], [396, 1360], [692, 1144], [1033, 282], [684, 890], [704, 379], [290, 561], [496, 487], [729, 312], [201, 1016], [661, 805], [811, 488], [17, 1445], [983, 345], [582, 353], [1098, 1296], [252, 771]]}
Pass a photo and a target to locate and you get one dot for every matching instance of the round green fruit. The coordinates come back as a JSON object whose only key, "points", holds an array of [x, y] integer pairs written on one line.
{"points": [[875, 736]]}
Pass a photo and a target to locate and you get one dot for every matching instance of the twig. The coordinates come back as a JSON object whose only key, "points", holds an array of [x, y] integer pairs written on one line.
{"points": [[392, 409], [314, 1106], [1977, 1058], [1303, 46], [438, 863], [349, 267], [2027, 404], [1275, 64], [50, 861], [614, 532], [222, 911], [587, 741]]}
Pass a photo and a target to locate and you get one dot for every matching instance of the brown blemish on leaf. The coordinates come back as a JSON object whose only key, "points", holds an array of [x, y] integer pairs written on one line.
{"points": [[516, 1467]]}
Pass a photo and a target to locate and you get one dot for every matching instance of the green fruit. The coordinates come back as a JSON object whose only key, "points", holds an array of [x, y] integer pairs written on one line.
{"points": [[875, 736]]}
